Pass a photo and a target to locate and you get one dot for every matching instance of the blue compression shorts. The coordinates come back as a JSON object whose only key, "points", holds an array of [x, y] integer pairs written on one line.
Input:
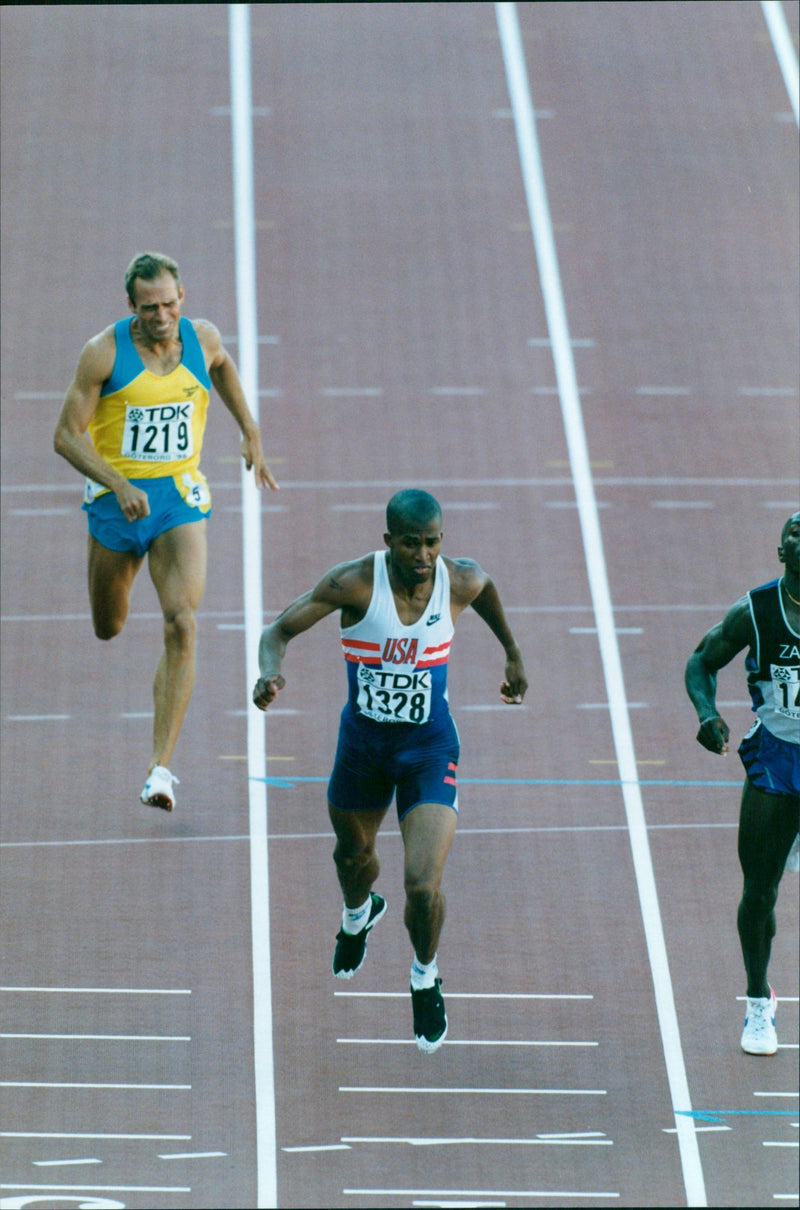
{"points": [[772, 764], [108, 524], [375, 760]]}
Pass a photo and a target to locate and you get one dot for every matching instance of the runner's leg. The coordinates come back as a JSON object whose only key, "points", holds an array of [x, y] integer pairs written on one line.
{"points": [[357, 864], [427, 831], [177, 562], [111, 576], [767, 827]]}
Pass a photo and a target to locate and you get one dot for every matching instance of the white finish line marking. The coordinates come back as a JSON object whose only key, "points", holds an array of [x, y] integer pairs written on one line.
{"points": [[572, 416]]}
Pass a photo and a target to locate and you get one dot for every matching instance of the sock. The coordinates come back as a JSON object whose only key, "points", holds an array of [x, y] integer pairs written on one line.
{"points": [[354, 919], [422, 974]]}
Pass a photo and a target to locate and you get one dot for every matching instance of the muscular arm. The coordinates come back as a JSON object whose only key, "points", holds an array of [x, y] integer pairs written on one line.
{"points": [[94, 367], [470, 585], [228, 386], [346, 587], [716, 649]]}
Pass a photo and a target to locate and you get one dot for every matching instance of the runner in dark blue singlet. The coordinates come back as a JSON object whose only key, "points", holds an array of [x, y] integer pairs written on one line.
{"points": [[766, 622]]}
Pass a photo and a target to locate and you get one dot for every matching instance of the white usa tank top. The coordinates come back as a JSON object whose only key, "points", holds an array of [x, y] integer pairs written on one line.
{"points": [[397, 673]]}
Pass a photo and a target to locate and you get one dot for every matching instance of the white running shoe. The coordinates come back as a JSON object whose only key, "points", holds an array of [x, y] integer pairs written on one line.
{"points": [[158, 791], [759, 1037]]}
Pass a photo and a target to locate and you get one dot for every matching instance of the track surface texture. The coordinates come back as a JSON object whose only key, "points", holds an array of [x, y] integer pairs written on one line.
{"points": [[403, 341]]}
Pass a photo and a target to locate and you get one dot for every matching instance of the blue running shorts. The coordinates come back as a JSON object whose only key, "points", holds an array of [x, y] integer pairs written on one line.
{"points": [[376, 760], [168, 508], [772, 764]]}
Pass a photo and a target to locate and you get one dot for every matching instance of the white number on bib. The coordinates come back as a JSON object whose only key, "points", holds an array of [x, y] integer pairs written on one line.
{"points": [[786, 687], [162, 434], [394, 697]]}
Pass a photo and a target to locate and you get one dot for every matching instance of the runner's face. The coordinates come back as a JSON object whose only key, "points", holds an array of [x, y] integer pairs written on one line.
{"points": [[157, 307], [413, 553], [789, 549]]}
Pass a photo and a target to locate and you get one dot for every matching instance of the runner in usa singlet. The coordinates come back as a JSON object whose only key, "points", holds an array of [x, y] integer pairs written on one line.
{"points": [[398, 673]]}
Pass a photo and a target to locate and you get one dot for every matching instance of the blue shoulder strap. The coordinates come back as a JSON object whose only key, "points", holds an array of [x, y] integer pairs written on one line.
{"points": [[193, 357], [127, 363]]}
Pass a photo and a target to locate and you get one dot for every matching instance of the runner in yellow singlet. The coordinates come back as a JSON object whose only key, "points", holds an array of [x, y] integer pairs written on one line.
{"points": [[141, 392]]}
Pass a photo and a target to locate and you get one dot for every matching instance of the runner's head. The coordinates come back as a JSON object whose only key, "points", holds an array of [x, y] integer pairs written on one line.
{"points": [[414, 536], [146, 267], [412, 509], [789, 549]]}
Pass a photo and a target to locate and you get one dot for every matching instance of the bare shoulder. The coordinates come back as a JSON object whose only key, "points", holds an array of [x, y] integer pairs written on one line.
{"points": [[97, 357], [730, 635], [209, 337], [467, 579], [347, 584]]}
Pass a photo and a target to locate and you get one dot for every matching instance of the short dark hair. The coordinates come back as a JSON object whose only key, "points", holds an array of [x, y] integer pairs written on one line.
{"points": [[795, 517], [149, 266], [411, 509]]}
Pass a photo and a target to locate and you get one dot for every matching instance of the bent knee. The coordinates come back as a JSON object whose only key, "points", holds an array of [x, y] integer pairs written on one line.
{"points": [[422, 889], [180, 625], [759, 900]]}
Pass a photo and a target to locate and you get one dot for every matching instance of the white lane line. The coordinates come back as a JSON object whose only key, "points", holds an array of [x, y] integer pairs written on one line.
{"points": [[41, 512], [553, 1195], [666, 390], [53, 1134], [30, 396], [699, 1129], [320, 1147], [550, 277], [98, 1037], [540, 1141], [194, 1155], [682, 504], [597, 630], [784, 49], [36, 1083], [38, 718], [472, 995], [415, 1090], [456, 1042], [63, 1163], [455, 391], [769, 392], [94, 1189], [352, 392], [440, 483], [105, 991], [246, 295], [580, 1134]]}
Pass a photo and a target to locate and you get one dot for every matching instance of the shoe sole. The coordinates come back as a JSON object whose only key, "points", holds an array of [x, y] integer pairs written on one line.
{"points": [[159, 800], [369, 927], [426, 1046], [761, 1053]]}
